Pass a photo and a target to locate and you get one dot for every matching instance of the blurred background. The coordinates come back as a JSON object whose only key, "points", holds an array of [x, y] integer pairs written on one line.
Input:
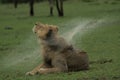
{"points": [[91, 25]]}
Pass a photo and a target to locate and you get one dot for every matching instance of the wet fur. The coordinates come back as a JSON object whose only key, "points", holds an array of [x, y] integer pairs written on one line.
{"points": [[58, 55]]}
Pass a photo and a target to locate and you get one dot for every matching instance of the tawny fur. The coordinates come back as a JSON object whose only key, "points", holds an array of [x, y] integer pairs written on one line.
{"points": [[58, 55]]}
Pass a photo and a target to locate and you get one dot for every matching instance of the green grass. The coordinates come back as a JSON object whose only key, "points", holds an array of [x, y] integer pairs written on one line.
{"points": [[19, 50]]}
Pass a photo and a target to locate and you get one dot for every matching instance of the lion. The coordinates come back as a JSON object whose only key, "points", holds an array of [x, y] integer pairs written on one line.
{"points": [[58, 55]]}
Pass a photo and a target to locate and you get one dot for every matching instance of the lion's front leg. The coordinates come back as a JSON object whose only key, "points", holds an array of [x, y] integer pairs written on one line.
{"points": [[59, 65], [49, 70], [35, 70]]}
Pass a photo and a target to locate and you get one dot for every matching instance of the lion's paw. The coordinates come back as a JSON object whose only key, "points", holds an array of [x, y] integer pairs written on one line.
{"points": [[30, 73]]}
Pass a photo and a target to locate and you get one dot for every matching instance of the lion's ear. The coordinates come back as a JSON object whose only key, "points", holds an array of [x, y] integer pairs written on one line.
{"points": [[54, 28], [39, 24]]}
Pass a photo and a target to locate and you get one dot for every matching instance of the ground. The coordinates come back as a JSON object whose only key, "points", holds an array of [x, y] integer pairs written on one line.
{"points": [[95, 29]]}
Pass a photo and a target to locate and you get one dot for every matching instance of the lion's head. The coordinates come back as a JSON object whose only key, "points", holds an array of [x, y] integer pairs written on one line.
{"points": [[44, 31]]}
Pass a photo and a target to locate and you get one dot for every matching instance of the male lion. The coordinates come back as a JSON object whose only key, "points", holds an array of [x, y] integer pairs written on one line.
{"points": [[58, 55]]}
